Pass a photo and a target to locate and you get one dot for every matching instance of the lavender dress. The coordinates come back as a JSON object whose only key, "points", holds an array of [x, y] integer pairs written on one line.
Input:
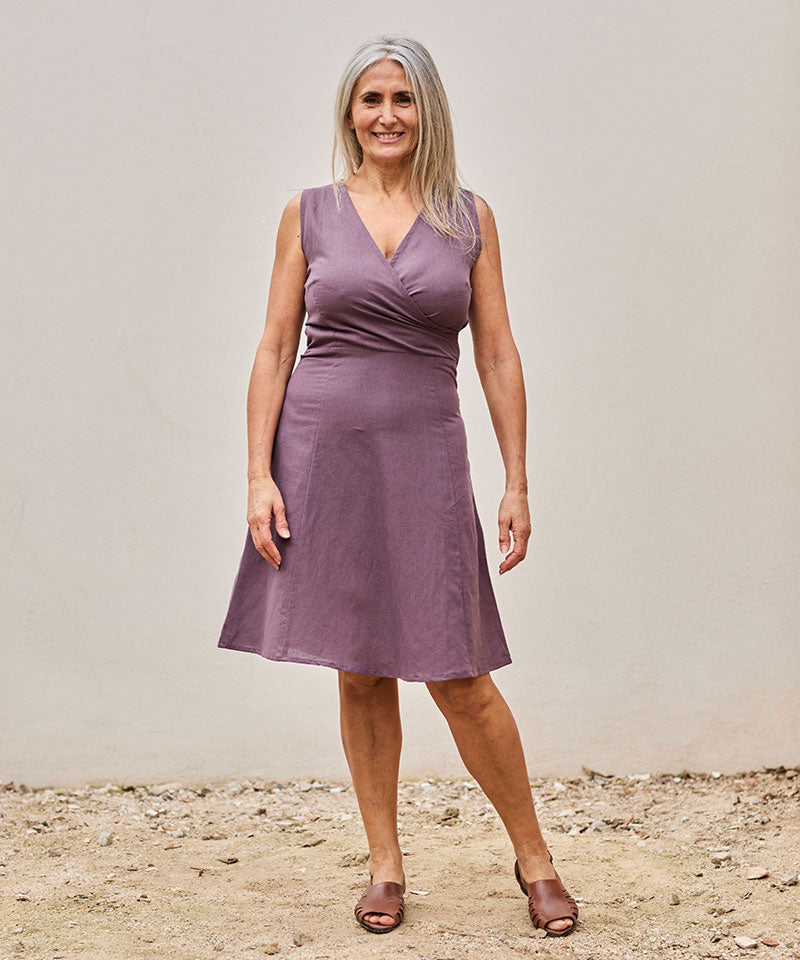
{"points": [[385, 571]]}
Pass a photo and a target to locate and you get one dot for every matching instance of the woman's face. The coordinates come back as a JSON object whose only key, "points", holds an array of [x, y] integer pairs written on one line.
{"points": [[384, 104]]}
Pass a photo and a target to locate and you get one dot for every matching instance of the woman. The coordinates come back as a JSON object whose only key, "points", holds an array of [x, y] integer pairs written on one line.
{"points": [[359, 457]]}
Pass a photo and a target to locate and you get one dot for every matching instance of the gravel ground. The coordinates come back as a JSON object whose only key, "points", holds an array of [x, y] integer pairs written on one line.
{"points": [[688, 865]]}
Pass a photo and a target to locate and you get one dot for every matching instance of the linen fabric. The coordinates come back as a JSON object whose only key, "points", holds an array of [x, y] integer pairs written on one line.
{"points": [[385, 572]]}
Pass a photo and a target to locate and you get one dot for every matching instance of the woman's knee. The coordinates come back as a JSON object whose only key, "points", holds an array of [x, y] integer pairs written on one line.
{"points": [[464, 694], [362, 681]]}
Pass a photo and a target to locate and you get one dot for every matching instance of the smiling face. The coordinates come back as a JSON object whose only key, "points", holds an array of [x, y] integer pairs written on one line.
{"points": [[383, 113]]}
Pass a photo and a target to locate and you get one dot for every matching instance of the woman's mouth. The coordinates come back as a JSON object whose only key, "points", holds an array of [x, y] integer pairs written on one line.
{"points": [[388, 137]]}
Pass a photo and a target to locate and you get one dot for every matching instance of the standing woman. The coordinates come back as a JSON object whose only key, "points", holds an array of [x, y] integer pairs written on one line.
{"points": [[358, 455]]}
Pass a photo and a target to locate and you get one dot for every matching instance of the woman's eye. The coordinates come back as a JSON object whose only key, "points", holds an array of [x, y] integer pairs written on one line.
{"points": [[373, 100]]}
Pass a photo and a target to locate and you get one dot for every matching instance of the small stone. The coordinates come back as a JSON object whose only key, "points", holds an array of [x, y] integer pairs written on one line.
{"points": [[745, 943], [757, 873], [105, 838], [272, 948], [300, 938], [674, 898], [159, 789], [110, 788]]}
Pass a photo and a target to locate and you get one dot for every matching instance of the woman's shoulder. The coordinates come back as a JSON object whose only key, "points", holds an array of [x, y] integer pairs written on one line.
{"points": [[319, 190], [314, 206], [482, 210], [301, 197], [476, 199]]}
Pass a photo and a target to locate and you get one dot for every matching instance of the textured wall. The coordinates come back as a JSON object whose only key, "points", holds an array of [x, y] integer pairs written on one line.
{"points": [[641, 160]]}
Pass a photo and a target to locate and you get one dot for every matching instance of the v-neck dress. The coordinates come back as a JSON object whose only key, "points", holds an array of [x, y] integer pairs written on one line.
{"points": [[385, 572]]}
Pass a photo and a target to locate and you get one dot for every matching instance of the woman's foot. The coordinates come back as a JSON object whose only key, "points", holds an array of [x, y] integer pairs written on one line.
{"points": [[381, 870], [538, 866]]}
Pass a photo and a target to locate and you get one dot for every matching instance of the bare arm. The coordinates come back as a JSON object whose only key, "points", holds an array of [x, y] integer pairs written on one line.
{"points": [[274, 361], [500, 371]]}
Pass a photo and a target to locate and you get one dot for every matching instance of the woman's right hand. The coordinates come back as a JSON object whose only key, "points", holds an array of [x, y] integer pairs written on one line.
{"points": [[264, 501]]}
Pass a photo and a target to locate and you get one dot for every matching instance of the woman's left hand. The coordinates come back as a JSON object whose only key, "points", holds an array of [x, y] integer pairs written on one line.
{"points": [[514, 516]]}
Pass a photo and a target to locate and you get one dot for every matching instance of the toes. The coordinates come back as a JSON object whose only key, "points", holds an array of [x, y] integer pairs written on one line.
{"points": [[376, 919], [559, 925]]}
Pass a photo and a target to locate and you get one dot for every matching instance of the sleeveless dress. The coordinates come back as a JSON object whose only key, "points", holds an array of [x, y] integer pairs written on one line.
{"points": [[385, 571]]}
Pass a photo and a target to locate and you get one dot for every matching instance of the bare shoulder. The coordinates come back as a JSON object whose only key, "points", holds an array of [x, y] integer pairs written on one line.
{"points": [[488, 227], [485, 215], [291, 212], [289, 228], [485, 218]]}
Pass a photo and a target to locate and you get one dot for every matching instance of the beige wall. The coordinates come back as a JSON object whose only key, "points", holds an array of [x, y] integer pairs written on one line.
{"points": [[641, 160]]}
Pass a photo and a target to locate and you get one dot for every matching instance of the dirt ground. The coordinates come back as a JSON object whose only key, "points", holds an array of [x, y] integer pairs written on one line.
{"points": [[687, 865]]}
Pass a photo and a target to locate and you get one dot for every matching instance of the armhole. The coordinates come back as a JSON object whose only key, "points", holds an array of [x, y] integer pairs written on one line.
{"points": [[303, 217], [478, 234]]}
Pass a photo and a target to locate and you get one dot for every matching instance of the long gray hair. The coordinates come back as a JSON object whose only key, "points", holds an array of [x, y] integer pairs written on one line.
{"points": [[434, 171]]}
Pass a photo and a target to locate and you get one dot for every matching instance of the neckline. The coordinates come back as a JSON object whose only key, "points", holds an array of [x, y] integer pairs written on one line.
{"points": [[390, 260]]}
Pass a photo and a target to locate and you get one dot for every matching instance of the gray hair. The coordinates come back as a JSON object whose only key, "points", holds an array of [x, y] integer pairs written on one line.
{"points": [[434, 171]]}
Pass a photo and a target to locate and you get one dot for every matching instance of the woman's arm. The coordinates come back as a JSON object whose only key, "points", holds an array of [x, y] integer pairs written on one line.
{"points": [[500, 372], [274, 361]]}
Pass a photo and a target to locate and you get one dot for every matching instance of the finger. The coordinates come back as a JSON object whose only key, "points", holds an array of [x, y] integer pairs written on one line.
{"points": [[271, 551], [504, 522], [280, 520], [511, 559], [517, 554], [262, 538]]}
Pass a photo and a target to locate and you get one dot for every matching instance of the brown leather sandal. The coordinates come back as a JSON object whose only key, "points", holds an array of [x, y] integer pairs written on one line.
{"points": [[384, 897], [548, 900]]}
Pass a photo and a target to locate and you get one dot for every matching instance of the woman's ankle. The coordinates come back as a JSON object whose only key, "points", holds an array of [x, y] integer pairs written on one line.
{"points": [[385, 861]]}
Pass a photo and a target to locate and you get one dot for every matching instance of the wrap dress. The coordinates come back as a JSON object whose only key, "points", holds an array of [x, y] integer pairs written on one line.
{"points": [[385, 572]]}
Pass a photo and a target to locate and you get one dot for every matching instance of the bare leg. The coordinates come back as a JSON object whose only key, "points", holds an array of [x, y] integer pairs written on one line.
{"points": [[488, 741], [369, 713]]}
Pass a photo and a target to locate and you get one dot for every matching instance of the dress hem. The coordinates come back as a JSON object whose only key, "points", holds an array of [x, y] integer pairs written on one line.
{"points": [[324, 663]]}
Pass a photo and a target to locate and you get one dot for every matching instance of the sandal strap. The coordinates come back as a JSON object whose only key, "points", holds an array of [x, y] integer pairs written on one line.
{"points": [[384, 897], [548, 900]]}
